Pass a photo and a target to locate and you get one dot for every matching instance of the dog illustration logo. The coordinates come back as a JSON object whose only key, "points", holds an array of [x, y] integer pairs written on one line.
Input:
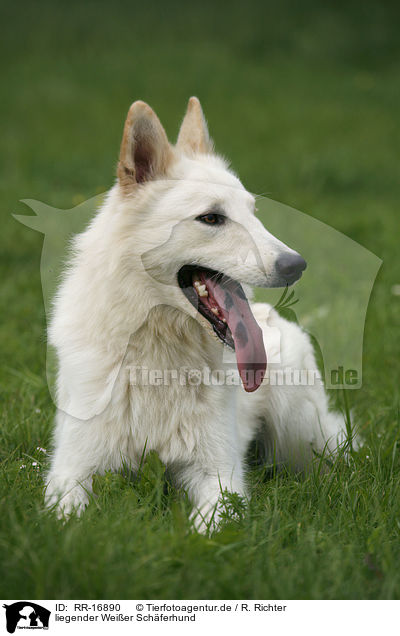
{"points": [[26, 615]]}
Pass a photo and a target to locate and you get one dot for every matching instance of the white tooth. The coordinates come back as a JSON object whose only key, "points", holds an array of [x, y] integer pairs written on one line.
{"points": [[201, 289], [215, 311], [223, 320]]}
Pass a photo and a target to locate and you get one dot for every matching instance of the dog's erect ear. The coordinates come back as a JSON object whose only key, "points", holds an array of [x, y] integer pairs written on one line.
{"points": [[193, 136], [145, 151]]}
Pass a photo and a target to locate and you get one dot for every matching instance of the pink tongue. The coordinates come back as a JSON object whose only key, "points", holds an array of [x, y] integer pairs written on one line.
{"points": [[247, 335]]}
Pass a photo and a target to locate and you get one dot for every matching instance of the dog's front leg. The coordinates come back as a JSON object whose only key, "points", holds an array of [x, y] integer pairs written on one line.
{"points": [[215, 465], [205, 484], [74, 461]]}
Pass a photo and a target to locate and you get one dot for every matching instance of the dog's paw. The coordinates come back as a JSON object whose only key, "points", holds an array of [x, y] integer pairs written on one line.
{"points": [[66, 499], [205, 520]]}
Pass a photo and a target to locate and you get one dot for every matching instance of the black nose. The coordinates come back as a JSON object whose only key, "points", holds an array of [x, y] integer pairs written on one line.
{"points": [[290, 266]]}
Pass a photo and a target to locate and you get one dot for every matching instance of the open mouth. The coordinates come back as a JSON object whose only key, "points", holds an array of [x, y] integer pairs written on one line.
{"points": [[222, 301]]}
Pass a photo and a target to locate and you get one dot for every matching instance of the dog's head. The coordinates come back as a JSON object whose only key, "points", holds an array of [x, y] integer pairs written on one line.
{"points": [[199, 236]]}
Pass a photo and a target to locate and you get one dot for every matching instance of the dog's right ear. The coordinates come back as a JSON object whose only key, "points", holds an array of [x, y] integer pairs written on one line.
{"points": [[145, 151]]}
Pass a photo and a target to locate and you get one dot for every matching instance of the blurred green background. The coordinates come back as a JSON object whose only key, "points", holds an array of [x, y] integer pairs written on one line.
{"points": [[303, 98]]}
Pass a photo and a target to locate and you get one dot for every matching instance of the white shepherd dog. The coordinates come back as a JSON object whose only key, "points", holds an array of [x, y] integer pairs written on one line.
{"points": [[157, 288]]}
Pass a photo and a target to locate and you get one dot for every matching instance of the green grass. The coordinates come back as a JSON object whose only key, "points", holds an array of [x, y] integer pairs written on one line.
{"points": [[304, 99]]}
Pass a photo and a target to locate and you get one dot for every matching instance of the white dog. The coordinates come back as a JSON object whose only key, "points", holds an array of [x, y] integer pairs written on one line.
{"points": [[154, 290]]}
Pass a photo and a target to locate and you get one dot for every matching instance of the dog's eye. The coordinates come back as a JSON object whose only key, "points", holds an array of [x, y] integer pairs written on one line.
{"points": [[211, 219]]}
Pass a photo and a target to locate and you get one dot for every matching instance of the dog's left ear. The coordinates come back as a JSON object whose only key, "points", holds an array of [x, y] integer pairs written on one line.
{"points": [[145, 151], [193, 135]]}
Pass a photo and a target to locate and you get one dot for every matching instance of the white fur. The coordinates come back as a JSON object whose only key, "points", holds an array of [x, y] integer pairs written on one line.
{"points": [[119, 307]]}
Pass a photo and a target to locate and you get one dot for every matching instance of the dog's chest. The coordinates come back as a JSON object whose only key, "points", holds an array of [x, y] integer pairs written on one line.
{"points": [[171, 399]]}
